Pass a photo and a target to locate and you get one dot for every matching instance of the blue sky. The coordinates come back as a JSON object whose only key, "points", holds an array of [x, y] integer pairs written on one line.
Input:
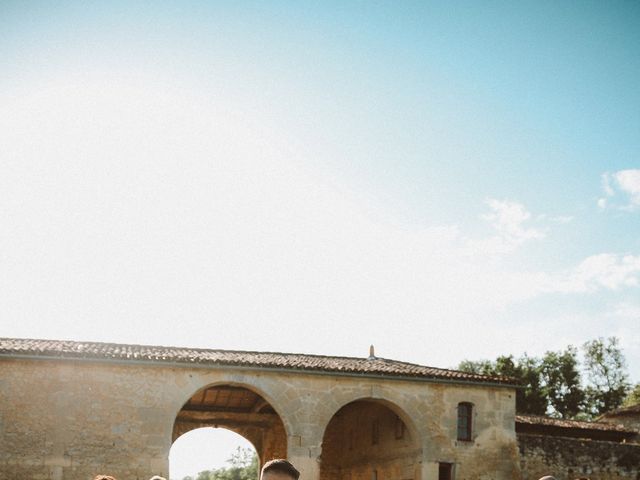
{"points": [[445, 180]]}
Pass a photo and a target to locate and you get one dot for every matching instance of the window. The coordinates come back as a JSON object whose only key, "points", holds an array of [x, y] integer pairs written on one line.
{"points": [[465, 410], [445, 471]]}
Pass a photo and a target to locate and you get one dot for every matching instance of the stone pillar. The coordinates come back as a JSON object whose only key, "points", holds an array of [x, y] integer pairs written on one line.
{"points": [[160, 466], [304, 453]]}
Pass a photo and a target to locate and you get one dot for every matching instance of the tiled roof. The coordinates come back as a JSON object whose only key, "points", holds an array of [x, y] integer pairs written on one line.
{"points": [[631, 410], [537, 420], [15, 347]]}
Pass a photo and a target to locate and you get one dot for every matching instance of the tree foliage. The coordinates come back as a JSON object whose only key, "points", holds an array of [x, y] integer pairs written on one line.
{"points": [[562, 383], [557, 384], [527, 370], [532, 397], [243, 465], [606, 369]]}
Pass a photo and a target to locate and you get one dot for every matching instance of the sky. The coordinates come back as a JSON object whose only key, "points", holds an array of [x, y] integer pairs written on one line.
{"points": [[444, 180]]}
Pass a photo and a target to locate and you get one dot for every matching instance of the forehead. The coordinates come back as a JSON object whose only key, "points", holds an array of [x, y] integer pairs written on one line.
{"points": [[276, 476]]}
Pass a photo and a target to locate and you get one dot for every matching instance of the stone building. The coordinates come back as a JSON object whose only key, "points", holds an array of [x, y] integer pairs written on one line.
{"points": [[571, 449], [69, 410], [629, 417]]}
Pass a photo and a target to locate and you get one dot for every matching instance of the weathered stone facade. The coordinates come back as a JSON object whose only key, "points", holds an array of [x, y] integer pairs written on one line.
{"points": [[71, 418], [569, 458], [627, 416], [571, 449]]}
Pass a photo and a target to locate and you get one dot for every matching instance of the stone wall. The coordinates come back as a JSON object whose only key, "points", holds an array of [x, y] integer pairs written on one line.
{"points": [[571, 458], [61, 420], [64, 419]]}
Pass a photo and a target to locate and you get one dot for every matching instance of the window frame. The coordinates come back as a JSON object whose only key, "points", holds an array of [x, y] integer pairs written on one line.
{"points": [[464, 425]]}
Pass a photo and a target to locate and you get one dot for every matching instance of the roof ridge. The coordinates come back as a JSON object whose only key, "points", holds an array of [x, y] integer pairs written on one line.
{"points": [[621, 411], [377, 366], [568, 420], [198, 349], [481, 375]]}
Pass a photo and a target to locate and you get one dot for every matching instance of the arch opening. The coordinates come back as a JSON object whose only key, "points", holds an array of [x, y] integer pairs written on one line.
{"points": [[209, 449], [240, 410], [369, 440]]}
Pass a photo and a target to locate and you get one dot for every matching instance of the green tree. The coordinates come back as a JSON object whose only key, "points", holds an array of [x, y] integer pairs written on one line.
{"points": [[553, 384], [605, 367], [562, 382], [530, 397], [243, 465], [505, 365], [480, 367]]}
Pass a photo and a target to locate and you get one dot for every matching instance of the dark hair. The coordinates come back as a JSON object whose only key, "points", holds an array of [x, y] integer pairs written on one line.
{"points": [[280, 465]]}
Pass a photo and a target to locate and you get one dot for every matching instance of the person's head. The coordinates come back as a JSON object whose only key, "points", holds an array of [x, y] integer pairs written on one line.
{"points": [[157, 477], [104, 477], [547, 477], [279, 469]]}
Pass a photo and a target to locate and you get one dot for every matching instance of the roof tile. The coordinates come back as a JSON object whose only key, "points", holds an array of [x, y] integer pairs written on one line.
{"points": [[573, 424], [16, 347]]}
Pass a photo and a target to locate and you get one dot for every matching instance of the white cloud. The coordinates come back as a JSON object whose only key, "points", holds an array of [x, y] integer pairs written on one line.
{"points": [[602, 203], [629, 182], [596, 273], [624, 182], [606, 271], [510, 220]]}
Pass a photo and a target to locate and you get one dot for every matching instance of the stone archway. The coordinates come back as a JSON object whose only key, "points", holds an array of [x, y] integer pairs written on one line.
{"points": [[237, 408], [370, 439]]}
